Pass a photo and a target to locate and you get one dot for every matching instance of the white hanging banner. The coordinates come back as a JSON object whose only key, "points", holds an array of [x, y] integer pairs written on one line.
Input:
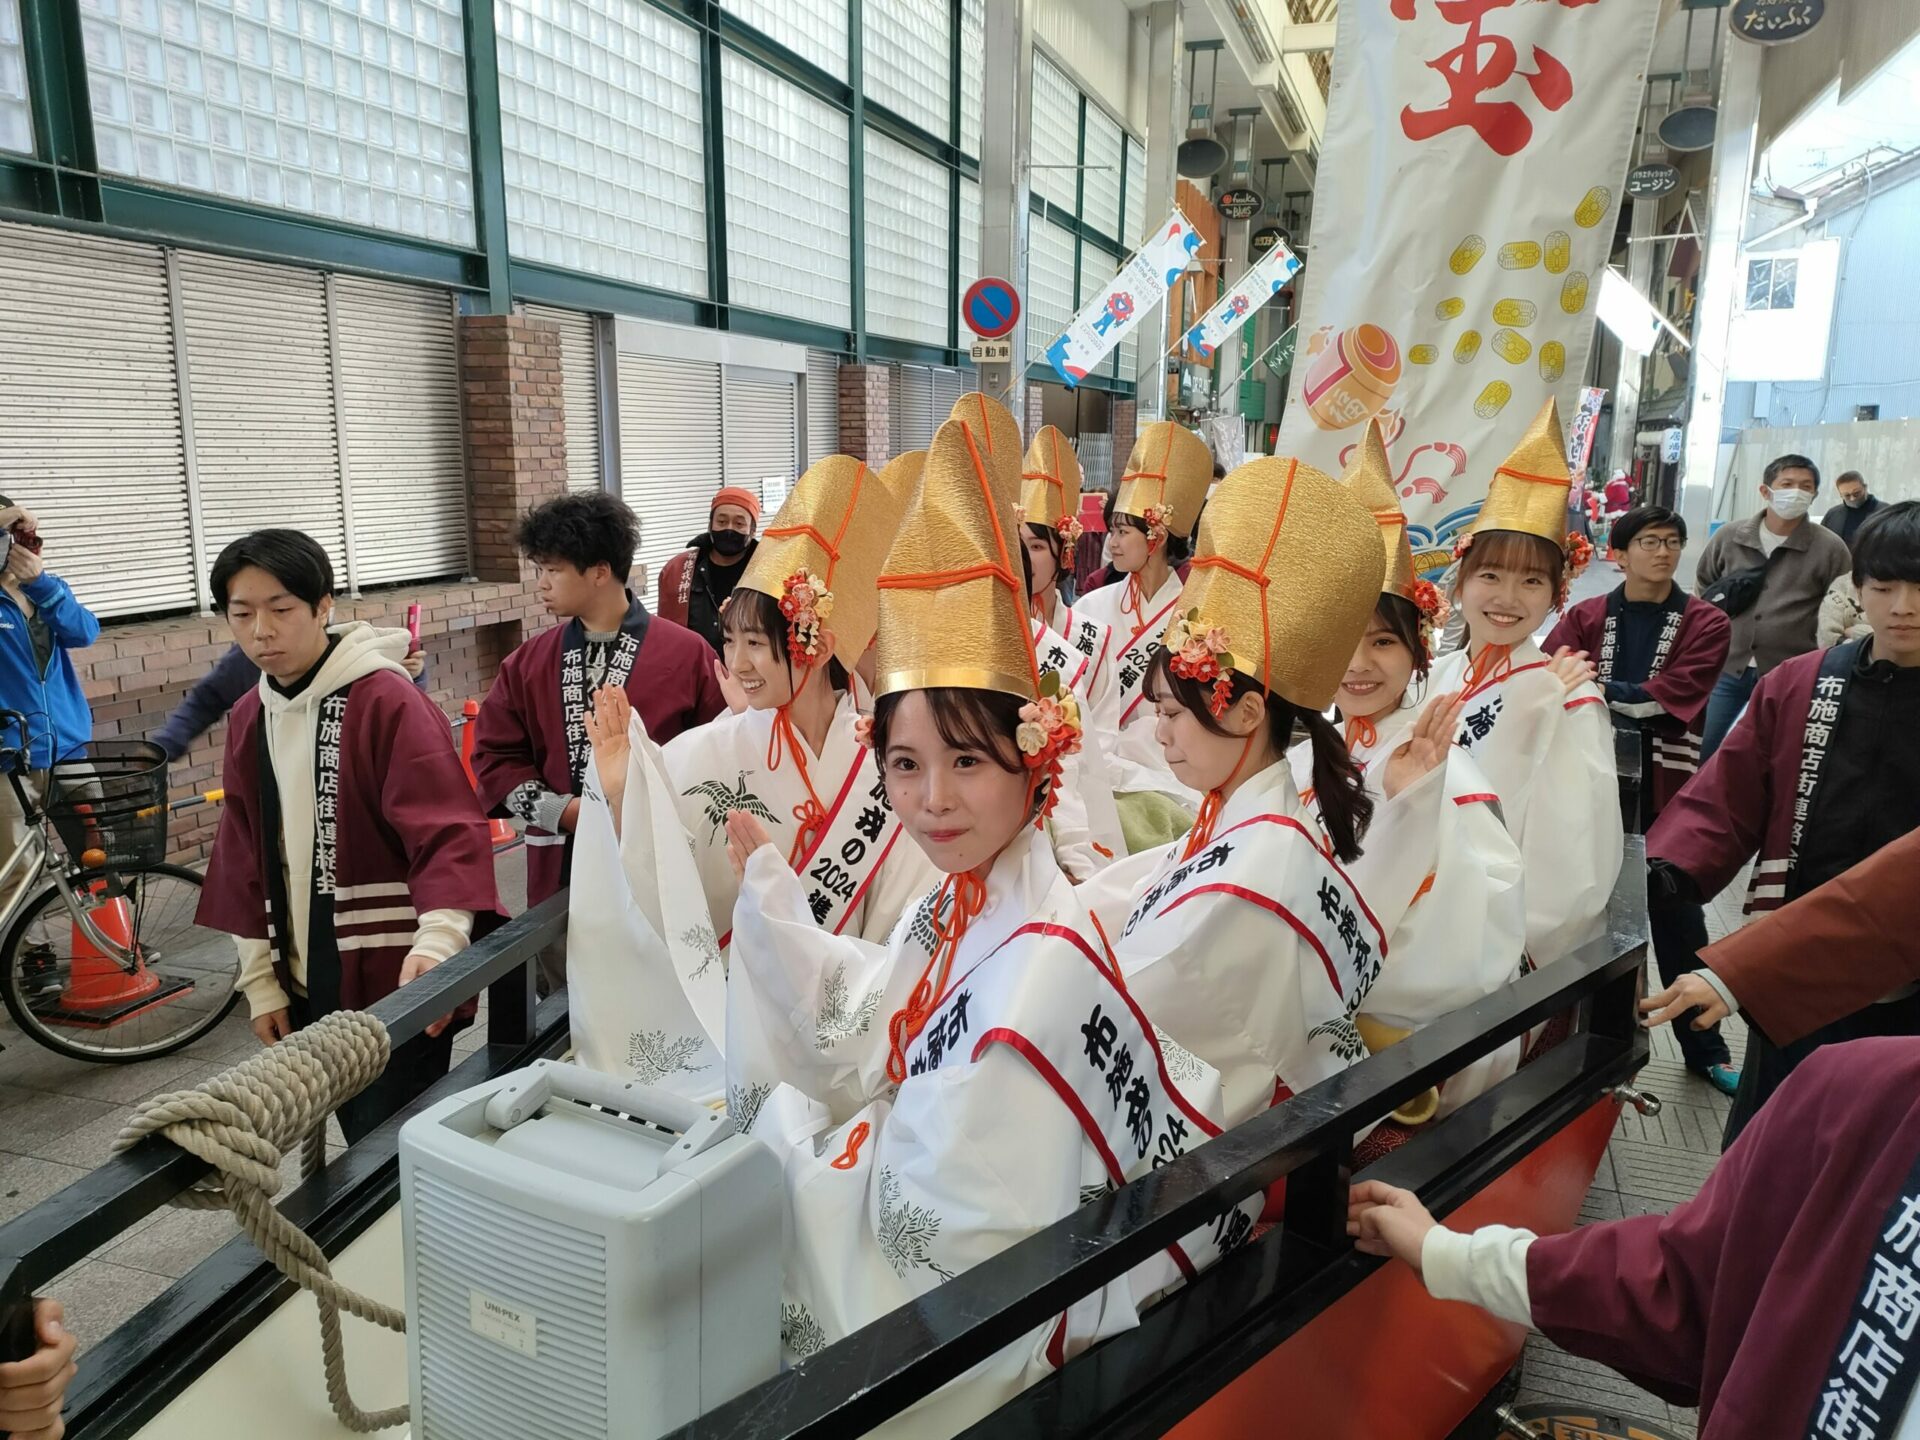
{"points": [[1111, 316], [1465, 205], [1242, 301]]}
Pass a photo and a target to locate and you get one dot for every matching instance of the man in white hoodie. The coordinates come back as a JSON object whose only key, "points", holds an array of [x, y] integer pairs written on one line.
{"points": [[352, 855]]}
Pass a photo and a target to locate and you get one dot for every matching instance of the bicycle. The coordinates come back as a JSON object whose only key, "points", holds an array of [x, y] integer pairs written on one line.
{"points": [[102, 959]]}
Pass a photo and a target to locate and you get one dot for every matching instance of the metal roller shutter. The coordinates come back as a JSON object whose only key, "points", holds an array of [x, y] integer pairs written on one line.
{"points": [[669, 450], [910, 409], [398, 387], [260, 378], [89, 417], [948, 387], [762, 430], [823, 405], [580, 374]]}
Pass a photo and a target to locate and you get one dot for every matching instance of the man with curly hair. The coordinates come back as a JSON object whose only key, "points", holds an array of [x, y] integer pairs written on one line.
{"points": [[530, 745]]}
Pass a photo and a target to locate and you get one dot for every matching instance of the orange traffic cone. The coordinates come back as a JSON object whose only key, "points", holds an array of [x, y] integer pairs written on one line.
{"points": [[97, 981], [502, 831]]}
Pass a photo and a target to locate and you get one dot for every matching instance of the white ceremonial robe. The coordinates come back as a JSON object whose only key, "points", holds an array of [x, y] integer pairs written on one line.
{"points": [[1549, 755], [1461, 936], [892, 1190], [1139, 764], [1086, 819], [1094, 643], [1257, 953], [723, 765]]}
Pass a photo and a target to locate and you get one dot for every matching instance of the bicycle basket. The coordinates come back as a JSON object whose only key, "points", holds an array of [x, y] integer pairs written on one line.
{"points": [[111, 803]]}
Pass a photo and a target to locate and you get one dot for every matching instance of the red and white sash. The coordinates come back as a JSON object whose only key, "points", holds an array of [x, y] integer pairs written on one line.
{"points": [[1321, 905], [860, 833], [1089, 637], [1134, 658], [1056, 653], [1094, 1047]]}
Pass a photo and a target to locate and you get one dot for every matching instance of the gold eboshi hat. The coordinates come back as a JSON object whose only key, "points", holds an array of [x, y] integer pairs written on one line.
{"points": [[1050, 483], [1168, 471], [953, 608], [1287, 571], [1528, 492], [1369, 478], [825, 547]]}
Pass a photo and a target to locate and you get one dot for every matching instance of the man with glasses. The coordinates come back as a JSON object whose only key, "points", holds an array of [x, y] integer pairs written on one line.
{"points": [[1798, 560], [1658, 653]]}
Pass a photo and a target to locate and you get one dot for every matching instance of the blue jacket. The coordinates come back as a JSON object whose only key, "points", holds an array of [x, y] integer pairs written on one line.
{"points": [[59, 720], [207, 703]]}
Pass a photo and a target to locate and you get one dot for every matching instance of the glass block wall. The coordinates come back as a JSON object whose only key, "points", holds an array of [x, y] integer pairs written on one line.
{"points": [[908, 48], [354, 110], [815, 30], [906, 235], [16, 120], [601, 139], [1050, 281], [788, 203]]}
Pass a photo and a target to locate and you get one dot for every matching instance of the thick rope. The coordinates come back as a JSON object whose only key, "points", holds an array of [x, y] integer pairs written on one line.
{"points": [[240, 1122]]}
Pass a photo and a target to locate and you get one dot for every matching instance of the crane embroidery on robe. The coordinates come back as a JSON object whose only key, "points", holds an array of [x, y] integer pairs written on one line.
{"points": [[800, 1332], [652, 1057], [1342, 1037], [719, 800], [906, 1231], [838, 1020], [744, 1102], [702, 939]]}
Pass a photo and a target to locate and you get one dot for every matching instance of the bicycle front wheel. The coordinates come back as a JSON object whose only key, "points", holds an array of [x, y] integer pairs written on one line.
{"points": [[74, 997]]}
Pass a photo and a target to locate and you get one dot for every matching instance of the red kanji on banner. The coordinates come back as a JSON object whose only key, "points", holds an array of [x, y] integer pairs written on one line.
{"points": [[1479, 65]]}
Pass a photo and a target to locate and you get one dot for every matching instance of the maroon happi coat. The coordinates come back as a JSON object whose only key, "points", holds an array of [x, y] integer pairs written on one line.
{"points": [[411, 836], [1757, 1300], [521, 733], [1679, 687], [1742, 803]]}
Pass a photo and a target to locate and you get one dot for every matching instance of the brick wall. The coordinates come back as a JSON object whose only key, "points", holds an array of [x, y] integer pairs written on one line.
{"points": [[516, 458], [1126, 429], [866, 413]]}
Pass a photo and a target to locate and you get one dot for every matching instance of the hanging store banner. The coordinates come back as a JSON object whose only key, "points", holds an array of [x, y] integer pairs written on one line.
{"points": [[1468, 188], [1580, 430], [1111, 315], [1242, 301]]}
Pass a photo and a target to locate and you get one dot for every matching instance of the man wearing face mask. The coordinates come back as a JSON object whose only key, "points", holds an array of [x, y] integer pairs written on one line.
{"points": [[696, 583], [1794, 562], [1846, 518]]}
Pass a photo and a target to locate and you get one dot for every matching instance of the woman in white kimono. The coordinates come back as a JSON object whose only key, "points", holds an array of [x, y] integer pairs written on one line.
{"points": [[1461, 936], [1154, 510], [1537, 727], [991, 1075], [1050, 530], [1248, 942]]}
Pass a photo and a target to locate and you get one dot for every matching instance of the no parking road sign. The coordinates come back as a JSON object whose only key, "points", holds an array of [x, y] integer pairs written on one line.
{"points": [[991, 307]]}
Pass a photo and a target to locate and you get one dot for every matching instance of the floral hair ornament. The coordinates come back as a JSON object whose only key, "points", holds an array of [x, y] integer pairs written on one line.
{"points": [[1159, 521], [1433, 609], [1196, 651], [1462, 543], [1071, 529], [808, 605], [1050, 729]]}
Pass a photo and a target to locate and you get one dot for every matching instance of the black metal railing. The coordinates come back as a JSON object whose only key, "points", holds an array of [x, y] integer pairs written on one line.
{"points": [[133, 1372], [1134, 1384], [1270, 1289]]}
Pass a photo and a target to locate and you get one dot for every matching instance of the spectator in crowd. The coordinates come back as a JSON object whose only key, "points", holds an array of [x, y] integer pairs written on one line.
{"points": [[531, 747], [1798, 560], [40, 624], [1659, 651], [346, 809], [1619, 495], [33, 1390], [232, 676], [1779, 1300], [1841, 615], [1855, 508], [1577, 508], [1820, 773], [696, 583]]}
